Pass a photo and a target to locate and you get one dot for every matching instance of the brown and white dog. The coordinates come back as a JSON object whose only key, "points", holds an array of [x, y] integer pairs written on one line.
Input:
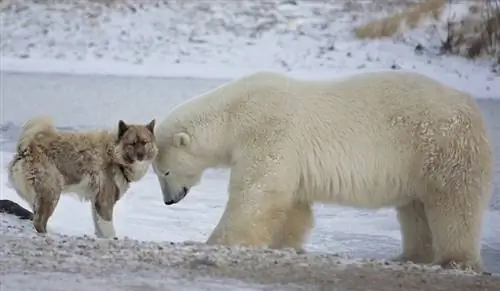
{"points": [[97, 166]]}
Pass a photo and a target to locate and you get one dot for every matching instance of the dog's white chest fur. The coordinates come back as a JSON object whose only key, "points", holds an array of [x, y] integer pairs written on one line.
{"points": [[139, 169]]}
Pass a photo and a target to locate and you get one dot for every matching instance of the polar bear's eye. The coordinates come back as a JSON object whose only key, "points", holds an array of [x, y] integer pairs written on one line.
{"points": [[167, 173]]}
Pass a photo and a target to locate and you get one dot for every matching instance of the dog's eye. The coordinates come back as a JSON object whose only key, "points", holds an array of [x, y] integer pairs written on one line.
{"points": [[167, 173]]}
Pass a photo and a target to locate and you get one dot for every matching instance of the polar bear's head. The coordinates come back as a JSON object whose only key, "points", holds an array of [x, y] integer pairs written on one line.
{"points": [[179, 166]]}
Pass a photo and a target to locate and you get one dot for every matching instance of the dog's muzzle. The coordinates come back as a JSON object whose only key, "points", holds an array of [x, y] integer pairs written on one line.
{"points": [[172, 196]]}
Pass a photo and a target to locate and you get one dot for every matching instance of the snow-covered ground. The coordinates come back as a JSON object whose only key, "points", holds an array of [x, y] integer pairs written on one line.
{"points": [[224, 39], [202, 43], [30, 262]]}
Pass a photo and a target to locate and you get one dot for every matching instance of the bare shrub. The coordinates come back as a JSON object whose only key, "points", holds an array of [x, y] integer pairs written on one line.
{"points": [[478, 34]]}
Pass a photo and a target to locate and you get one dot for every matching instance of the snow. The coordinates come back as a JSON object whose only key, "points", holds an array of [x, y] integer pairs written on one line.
{"points": [[224, 39], [88, 66], [59, 262]]}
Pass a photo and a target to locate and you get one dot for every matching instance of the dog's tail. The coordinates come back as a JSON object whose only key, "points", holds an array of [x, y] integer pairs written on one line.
{"points": [[30, 130]]}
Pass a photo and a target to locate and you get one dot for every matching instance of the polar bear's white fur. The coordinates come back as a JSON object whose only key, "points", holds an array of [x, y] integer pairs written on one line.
{"points": [[372, 140]]}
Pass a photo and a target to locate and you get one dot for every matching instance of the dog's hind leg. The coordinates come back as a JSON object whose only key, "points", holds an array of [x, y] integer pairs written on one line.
{"points": [[46, 199], [38, 182], [102, 210]]}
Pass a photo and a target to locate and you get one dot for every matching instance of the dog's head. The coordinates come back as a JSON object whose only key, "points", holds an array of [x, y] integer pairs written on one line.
{"points": [[136, 142]]}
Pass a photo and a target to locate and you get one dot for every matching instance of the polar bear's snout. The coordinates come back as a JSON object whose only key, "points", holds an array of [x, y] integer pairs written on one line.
{"points": [[178, 197], [170, 195]]}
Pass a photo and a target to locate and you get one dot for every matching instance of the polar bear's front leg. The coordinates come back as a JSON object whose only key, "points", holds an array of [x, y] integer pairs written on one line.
{"points": [[299, 221], [256, 210], [248, 222], [260, 197]]}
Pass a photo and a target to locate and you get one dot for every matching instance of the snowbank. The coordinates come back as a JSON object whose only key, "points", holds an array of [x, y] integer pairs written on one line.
{"points": [[219, 39], [29, 261]]}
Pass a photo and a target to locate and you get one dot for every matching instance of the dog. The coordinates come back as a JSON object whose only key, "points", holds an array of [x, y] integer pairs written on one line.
{"points": [[97, 166]]}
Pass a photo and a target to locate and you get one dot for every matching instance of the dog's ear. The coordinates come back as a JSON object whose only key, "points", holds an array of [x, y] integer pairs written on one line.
{"points": [[151, 126], [122, 128]]}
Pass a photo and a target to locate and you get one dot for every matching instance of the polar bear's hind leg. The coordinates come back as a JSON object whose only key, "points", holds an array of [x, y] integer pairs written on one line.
{"points": [[455, 224], [415, 232], [458, 191]]}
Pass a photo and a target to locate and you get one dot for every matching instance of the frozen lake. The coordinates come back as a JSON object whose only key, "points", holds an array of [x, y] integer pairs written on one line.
{"points": [[96, 101]]}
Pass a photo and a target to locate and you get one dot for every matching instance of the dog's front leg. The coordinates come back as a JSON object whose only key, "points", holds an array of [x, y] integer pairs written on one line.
{"points": [[102, 212], [103, 227]]}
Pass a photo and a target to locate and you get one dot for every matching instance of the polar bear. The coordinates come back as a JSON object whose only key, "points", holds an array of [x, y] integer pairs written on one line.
{"points": [[370, 140]]}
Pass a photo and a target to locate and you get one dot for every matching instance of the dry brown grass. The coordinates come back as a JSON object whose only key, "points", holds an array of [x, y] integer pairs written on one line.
{"points": [[391, 25], [475, 36]]}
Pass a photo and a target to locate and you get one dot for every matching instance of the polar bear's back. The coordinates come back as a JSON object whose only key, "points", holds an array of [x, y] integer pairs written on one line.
{"points": [[360, 104], [389, 91]]}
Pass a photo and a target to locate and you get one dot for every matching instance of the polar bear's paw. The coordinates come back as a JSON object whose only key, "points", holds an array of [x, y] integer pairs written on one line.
{"points": [[239, 238], [465, 265]]}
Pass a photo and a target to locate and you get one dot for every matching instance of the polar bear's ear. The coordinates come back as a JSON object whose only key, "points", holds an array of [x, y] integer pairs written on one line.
{"points": [[181, 139]]}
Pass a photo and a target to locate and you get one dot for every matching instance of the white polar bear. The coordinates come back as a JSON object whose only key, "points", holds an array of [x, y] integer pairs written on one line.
{"points": [[385, 139]]}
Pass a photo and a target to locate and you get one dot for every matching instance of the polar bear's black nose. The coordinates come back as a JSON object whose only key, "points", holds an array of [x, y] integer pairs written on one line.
{"points": [[169, 202]]}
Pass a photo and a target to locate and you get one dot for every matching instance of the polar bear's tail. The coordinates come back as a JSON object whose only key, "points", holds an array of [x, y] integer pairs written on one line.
{"points": [[391, 25]]}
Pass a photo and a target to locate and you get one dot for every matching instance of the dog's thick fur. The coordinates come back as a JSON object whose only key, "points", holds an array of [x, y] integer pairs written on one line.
{"points": [[98, 166], [370, 140]]}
